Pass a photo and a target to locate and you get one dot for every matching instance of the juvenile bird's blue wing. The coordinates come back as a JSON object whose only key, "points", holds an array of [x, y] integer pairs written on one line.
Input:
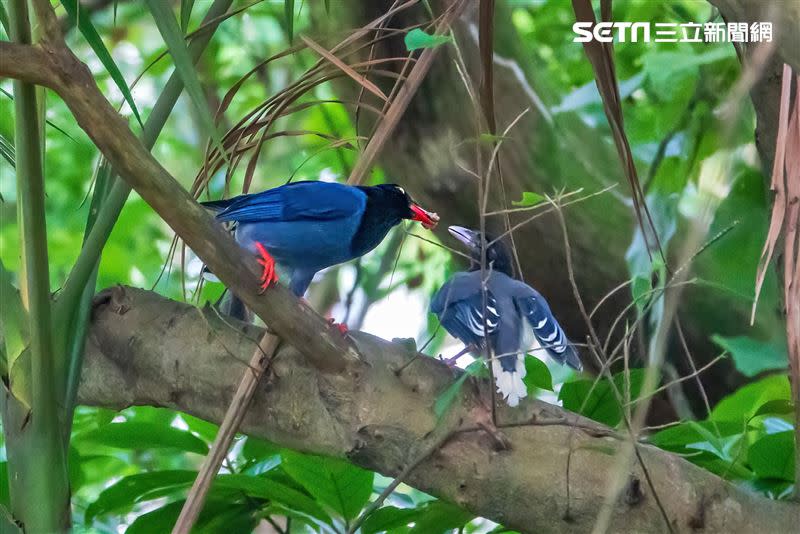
{"points": [[298, 201], [546, 329], [459, 306]]}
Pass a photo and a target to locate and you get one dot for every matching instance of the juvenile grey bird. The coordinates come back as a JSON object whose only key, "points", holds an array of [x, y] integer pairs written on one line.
{"points": [[517, 318]]}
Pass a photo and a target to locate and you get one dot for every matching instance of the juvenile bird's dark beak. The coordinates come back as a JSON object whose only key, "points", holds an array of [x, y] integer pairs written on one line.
{"points": [[469, 237], [428, 219]]}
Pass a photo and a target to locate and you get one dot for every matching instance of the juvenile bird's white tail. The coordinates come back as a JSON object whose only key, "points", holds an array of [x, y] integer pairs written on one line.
{"points": [[509, 383]]}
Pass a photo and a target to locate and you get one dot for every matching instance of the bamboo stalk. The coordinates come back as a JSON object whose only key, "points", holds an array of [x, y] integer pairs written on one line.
{"points": [[40, 494]]}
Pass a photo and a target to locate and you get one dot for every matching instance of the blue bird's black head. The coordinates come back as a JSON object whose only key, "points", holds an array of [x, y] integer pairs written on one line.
{"points": [[498, 257], [387, 205], [392, 203]]}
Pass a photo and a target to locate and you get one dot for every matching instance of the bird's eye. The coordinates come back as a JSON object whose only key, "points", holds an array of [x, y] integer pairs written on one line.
{"points": [[401, 189]]}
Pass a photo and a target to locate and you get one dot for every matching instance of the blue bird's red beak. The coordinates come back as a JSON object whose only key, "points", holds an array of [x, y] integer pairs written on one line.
{"points": [[428, 219]]}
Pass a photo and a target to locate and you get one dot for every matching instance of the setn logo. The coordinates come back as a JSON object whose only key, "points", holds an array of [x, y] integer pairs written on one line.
{"points": [[604, 31]]}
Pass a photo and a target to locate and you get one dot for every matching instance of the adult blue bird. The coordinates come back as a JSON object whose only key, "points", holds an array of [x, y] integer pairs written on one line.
{"points": [[300, 228], [516, 317]]}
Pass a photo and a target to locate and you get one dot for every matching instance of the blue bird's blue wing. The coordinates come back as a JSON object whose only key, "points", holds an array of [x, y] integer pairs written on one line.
{"points": [[310, 201], [305, 226], [546, 329], [459, 306]]}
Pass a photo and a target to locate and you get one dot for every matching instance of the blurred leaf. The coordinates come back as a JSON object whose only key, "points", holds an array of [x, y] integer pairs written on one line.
{"points": [[171, 33], [7, 525], [4, 495], [537, 374], [722, 447], [438, 517], [752, 356], [666, 69], [217, 516], [643, 263], [82, 19], [130, 490], [207, 431], [335, 483], [416, 39], [742, 404], [288, 11], [601, 404], [227, 518], [388, 518], [588, 94], [266, 488], [144, 435], [492, 138], [186, 13], [529, 199], [7, 150], [449, 395], [772, 488], [679, 436], [4, 19], [772, 456], [160, 520]]}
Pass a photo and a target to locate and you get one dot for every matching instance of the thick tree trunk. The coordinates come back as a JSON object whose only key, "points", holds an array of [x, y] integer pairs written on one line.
{"points": [[144, 349]]}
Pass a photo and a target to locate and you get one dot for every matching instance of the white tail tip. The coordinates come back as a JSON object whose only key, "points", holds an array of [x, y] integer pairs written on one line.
{"points": [[510, 384]]}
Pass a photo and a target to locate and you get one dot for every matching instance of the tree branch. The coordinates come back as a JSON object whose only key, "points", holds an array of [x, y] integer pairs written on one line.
{"points": [[53, 65], [166, 353]]}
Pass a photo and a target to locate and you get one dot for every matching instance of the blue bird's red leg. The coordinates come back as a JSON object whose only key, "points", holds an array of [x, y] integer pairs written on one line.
{"points": [[269, 275], [340, 326]]}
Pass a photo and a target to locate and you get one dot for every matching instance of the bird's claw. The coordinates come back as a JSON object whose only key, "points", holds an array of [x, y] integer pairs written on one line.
{"points": [[450, 362], [269, 276]]}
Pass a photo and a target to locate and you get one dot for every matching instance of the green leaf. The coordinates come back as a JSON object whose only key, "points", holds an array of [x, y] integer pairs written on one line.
{"points": [[741, 405], [130, 490], [640, 291], [449, 395], [269, 489], [186, 13], [529, 199], [772, 456], [144, 435], [537, 374], [341, 486], [588, 94], [438, 517], [159, 520], [288, 11], [389, 517], [600, 403], [666, 69], [775, 407], [752, 356], [81, 18], [171, 33], [216, 516], [677, 437], [416, 39]]}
